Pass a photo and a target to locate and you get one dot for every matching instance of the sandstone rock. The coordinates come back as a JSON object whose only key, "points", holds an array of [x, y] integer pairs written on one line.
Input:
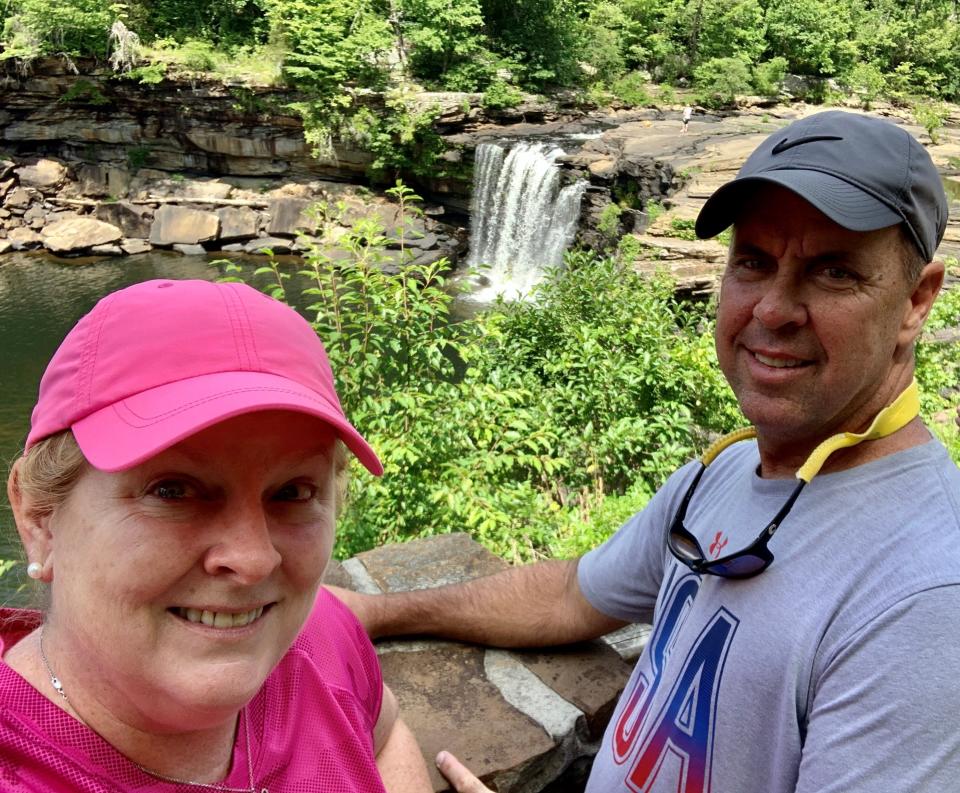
{"points": [[67, 236], [476, 722], [276, 244], [19, 198], [6, 166], [434, 561], [5, 246], [234, 247], [106, 250], [134, 246], [134, 220], [603, 169], [249, 166], [191, 188], [5, 186], [189, 250], [288, 217], [23, 238], [35, 212], [45, 175], [173, 224], [102, 180], [238, 223]]}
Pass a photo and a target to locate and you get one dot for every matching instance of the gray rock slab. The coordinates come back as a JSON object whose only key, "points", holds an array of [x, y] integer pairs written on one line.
{"points": [[433, 561], [359, 580], [629, 641], [101, 180], [134, 220], [530, 695], [233, 247], [19, 198], [174, 224], [23, 238], [189, 250], [336, 575], [288, 216], [74, 234], [275, 245], [449, 703], [134, 246], [45, 175], [589, 676], [238, 223]]}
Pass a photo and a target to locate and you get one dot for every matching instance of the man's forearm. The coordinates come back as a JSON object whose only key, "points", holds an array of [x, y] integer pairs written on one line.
{"points": [[532, 605]]}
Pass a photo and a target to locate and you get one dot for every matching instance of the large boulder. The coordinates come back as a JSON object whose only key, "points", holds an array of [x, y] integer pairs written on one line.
{"points": [[134, 220], [101, 180], [45, 175], [238, 223], [288, 217], [23, 238], [173, 224], [19, 198], [77, 234]]}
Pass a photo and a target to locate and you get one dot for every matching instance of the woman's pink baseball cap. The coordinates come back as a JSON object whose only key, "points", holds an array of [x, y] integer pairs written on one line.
{"points": [[161, 360]]}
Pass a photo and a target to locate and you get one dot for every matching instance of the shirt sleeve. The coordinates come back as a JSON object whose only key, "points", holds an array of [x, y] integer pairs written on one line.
{"points": [[884, 708], [622, 577], [349, 659]]}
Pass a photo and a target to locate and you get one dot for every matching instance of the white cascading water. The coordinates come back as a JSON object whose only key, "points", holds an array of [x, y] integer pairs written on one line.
{"points": [[522, 220]]}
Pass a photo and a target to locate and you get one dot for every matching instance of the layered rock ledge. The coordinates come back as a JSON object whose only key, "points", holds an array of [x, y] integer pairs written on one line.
{"points": [[523, 721], [70, 211]]}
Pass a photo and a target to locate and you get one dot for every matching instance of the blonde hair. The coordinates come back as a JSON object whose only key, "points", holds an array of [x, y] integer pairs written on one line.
{"points": [[48, 471]]}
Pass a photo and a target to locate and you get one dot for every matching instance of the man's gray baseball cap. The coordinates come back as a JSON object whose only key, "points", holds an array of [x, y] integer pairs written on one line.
{"points": [[861, 172]]}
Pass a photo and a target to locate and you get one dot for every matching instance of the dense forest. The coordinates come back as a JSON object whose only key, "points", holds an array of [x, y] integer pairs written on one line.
{"points": [[894, 48], [340, 53]]}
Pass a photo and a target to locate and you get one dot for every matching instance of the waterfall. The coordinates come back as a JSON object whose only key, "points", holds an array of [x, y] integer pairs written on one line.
{"points": [[522, 221]]}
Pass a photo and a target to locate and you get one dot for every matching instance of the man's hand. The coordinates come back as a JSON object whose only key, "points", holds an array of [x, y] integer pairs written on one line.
{"points": [[459, 775]]}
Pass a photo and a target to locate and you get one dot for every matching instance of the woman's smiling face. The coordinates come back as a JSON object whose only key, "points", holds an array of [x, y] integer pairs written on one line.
{"points": [[180, 583]]}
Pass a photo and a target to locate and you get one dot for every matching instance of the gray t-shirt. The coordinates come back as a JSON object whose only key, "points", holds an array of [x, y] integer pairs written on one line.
{"points": [[837, 669]]}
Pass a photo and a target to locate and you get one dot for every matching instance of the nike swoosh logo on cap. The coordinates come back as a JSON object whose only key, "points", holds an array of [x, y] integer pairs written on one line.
{"points": [[785, 144]]}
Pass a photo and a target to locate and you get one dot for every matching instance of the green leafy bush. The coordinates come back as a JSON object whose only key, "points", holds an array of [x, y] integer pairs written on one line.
{"points": [[720, 80], [768, 76], [631, 89], [501, 95], [77, 27]]}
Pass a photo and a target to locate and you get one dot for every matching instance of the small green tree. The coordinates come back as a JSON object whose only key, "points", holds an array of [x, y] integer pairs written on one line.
{"points": [[931, 116], [768, 76], [866, 81], [720, 80]]}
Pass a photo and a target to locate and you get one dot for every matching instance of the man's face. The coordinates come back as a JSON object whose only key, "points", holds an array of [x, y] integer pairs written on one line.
{"points": [[813, 325]]}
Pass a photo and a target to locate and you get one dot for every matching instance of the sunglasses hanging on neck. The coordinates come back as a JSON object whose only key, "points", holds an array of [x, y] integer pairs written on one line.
{"points": [[757, 557]]}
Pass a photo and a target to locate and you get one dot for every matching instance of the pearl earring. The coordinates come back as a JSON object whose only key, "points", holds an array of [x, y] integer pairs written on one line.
{"points": [[34, 569]]}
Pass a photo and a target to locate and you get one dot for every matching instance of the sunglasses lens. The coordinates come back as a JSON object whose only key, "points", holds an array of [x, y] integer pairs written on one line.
{"points": [[684, 546], [739, 566]]}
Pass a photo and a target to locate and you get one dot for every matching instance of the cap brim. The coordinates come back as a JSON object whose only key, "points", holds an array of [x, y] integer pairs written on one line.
{"points": [[845, 204], [135, 429]]}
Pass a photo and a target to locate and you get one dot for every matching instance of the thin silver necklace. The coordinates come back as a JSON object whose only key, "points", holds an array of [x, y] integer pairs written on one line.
{"points": [[58, 687]]}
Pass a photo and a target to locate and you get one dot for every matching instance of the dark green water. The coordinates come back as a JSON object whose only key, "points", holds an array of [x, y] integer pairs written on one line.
{"points": [[40, 300]]}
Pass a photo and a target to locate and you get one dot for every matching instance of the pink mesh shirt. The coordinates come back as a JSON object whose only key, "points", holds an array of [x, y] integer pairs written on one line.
{"points": [[311, 724]]}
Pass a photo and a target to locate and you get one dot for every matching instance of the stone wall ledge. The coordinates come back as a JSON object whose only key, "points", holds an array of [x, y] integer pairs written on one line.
{"points": [[82, 210], [523, 720]]}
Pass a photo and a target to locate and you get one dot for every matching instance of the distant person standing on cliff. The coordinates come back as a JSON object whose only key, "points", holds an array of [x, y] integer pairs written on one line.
{"points": [[687, 114], [803, 578]]}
